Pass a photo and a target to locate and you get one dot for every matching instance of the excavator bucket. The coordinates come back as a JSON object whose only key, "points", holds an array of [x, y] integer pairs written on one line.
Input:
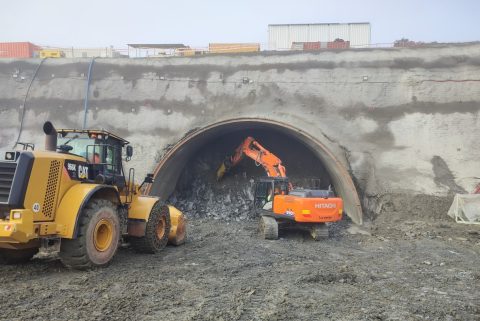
{"points": [[221, 171], [178, 229]]}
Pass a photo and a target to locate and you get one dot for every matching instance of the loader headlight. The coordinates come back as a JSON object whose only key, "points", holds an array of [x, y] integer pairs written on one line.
{"points": [[16, 215], [10, 155]]}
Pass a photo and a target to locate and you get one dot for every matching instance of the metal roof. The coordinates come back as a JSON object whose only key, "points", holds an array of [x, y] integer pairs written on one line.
{"points": [[157, 45], [281, 37], [319, 24]]}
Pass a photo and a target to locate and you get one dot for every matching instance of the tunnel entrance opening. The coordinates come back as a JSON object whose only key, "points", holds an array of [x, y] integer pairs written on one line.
{"points": [[186, 174], [198, 194]]}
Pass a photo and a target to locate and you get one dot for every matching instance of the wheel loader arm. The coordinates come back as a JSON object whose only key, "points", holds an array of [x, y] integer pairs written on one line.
{"points": [[252, 149]]}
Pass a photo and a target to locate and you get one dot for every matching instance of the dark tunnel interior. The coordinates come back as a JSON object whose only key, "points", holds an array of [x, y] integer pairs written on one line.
{"points": [[198, 193]]}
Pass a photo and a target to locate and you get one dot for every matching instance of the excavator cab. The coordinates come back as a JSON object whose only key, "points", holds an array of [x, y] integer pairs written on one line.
{"points": [[265, 190]]}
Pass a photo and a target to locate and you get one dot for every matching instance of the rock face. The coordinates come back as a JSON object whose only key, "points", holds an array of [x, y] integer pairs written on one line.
{"points": [[395, 121]]}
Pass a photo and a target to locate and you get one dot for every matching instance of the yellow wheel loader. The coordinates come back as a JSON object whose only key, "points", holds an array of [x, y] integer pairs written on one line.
{"points": [[76, 193]]}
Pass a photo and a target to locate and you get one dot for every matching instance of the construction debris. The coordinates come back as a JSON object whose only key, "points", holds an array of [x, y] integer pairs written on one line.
{"points": [[232, 199], [465, 208]]}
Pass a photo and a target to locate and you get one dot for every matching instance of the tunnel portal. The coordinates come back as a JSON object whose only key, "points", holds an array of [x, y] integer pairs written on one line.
{"points": [[186, 174]]}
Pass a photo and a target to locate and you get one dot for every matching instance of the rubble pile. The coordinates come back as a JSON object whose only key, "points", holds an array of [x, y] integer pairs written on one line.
{"points": [[200, 195], [228, 201]]}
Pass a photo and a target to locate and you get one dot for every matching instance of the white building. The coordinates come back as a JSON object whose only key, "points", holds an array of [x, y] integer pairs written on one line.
{"points": [[281, 36]]}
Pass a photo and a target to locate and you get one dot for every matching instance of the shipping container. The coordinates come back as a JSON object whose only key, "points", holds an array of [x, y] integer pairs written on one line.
{"points": [[311, 45], [51, 53], [282, 36], [338, 44], [18, 49], [297, 46], [188, 52], [233, 47]]}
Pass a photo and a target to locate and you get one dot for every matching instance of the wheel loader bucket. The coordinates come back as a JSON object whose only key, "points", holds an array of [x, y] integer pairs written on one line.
{"points": [[178, 228]]}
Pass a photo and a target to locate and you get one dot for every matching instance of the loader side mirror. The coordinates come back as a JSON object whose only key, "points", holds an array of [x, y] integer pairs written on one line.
{"points": [[26, 146], [149, 179], [129, 152]]}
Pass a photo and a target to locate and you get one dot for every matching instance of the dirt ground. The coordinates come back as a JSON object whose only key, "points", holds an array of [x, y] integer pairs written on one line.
{"points": [[408, 270]]}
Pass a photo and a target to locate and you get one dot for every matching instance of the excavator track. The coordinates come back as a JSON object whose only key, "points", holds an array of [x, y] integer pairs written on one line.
{"points": [[319, 231], [269, 228]]}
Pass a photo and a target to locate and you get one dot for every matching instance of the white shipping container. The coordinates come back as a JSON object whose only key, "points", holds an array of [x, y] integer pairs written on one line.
{"points": [[281, 36]]}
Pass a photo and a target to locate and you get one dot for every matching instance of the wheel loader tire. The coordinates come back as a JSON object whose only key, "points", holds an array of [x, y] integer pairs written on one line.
{"points": [[319, 231], [156, 233], [98, 237], [268, 228], [10, 256]]}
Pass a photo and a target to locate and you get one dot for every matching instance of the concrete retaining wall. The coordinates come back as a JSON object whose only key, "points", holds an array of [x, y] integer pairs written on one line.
{"points": [[401, 120]]}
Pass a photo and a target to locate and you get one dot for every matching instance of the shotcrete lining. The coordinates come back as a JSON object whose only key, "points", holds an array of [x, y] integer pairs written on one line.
{"points": [[169, 169]]}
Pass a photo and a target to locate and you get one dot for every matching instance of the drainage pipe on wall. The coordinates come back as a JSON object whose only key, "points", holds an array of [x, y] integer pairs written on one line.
{"points": [[25, 102], [87, 90]]}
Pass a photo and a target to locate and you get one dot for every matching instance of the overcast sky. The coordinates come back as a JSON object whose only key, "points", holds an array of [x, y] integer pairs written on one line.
{"points": [[91, 23]]}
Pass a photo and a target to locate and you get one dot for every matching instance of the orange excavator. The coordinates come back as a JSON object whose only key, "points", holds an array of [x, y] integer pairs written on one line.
{"points": [[277, 202]]}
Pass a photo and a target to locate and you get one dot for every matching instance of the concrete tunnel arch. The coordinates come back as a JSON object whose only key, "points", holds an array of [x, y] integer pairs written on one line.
{"points": [[169, 169]]}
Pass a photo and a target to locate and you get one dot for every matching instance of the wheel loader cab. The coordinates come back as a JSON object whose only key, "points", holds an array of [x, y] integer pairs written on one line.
{"points": [[102, 151]]}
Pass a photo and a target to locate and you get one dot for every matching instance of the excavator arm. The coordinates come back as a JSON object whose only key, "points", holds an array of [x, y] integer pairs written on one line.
{"points": [[251, 148]]}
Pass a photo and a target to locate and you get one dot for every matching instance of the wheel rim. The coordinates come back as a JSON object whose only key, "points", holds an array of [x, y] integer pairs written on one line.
{"points": [[103, 235], [160, 229], [181, 229]]}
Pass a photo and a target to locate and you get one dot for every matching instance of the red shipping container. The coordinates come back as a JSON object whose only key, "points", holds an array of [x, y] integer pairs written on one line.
{"points": [[311, 45], [17, 49], [338, 45]]}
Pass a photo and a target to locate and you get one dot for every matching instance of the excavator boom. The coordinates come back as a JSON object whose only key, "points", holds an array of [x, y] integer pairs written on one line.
{"points": [[252, 149]]}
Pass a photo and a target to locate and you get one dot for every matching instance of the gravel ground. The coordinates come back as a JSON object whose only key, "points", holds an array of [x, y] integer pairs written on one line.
{"points": [[410, 270]]}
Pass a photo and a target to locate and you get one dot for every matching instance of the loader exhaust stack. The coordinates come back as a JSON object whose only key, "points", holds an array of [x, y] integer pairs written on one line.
{"points": [[51, 136]]}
